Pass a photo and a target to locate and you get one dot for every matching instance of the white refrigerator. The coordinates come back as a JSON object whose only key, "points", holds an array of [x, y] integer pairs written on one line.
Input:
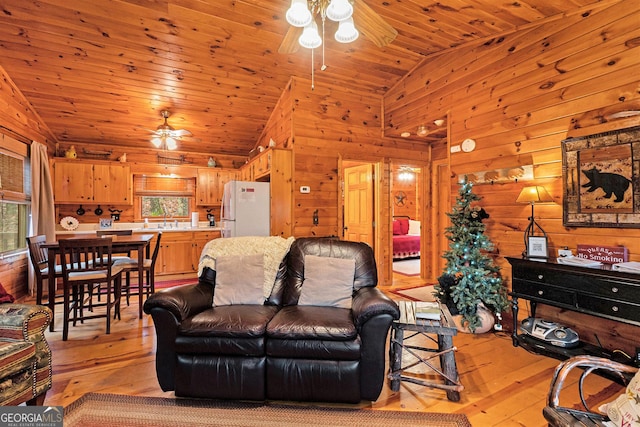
{"points": [[245, 209]]}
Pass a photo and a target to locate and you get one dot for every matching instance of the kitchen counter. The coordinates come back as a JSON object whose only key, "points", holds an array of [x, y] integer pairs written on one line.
{"points": [[138, 227]]}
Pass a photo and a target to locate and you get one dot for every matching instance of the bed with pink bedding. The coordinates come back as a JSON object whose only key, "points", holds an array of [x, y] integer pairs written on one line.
{"points": [[406, 238]]}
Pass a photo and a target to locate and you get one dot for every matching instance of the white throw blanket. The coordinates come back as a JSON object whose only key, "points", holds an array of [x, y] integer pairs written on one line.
{"points": [[273, 248]]}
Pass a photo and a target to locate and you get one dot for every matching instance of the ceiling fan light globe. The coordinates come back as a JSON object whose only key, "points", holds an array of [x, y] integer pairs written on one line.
{"points": [[339, 10], [171, 143], [157, 142], [310, 37], [298, 14], [347, 31]]}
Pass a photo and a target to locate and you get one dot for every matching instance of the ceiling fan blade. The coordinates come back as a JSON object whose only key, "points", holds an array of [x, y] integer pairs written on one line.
{"points": [[180, 132], [290, 41], [372, 25], [189, 138]]}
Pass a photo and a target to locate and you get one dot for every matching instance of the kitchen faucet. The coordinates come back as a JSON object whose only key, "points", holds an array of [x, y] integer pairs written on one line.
{"points": [[165, 213]]}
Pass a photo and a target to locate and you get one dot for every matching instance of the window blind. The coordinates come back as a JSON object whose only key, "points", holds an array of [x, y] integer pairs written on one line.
{"points": [[158, 185]]}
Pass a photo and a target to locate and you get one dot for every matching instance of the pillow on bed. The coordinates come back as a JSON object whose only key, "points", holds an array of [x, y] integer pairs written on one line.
{"points": [[397, 229], [404, 225], [414, 227]]}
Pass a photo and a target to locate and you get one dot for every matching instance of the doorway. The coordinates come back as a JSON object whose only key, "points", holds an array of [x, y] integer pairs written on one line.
{"points": [[407, 201]]}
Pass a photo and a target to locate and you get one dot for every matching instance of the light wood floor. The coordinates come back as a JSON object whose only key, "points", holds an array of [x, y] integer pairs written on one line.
{"points": [[504, 386]]}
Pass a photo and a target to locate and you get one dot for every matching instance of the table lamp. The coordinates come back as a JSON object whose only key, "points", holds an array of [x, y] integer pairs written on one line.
{"points": [[534, 194]]}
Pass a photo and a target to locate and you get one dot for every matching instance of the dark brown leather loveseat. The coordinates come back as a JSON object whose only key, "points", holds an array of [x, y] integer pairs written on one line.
{"points": [[279, 350]]}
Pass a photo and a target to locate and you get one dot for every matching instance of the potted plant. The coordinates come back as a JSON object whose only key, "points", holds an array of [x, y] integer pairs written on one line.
{"points": [[471, 280]]}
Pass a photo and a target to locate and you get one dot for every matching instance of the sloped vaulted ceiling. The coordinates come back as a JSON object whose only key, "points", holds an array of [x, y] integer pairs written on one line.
{"points": [[101, 71]]}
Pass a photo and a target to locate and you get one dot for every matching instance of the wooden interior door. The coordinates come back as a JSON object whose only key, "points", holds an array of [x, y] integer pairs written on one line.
{"points": [[359, 204]]}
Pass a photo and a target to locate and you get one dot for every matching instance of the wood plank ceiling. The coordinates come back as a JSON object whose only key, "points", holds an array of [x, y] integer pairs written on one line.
{"points": [[101, 71]]}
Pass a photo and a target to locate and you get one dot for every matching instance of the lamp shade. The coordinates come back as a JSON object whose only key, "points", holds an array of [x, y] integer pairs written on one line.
{"points": [[172, 144], [534, 194], [298, 14], [310, 37], [346, 31], [339, 10]]}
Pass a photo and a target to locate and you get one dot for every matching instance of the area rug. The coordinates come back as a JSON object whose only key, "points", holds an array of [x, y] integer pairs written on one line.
{"points": [[100, 410], [420, 293], [407, 267]]}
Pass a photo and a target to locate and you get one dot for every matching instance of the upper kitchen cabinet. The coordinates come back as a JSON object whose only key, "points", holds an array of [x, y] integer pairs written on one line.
{"points": [[261, 167], [79, 181], [211, 183], [275, 165]]}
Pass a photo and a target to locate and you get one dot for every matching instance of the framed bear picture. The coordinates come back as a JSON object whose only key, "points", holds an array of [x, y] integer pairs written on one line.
{"points": [[601, 185]]}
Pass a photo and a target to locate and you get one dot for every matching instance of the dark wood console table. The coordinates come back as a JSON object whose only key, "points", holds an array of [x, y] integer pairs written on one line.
{"points": [[599, 292]]}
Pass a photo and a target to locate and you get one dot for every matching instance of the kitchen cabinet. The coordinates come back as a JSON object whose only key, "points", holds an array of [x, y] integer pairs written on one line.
{"points": [[275, 165], [175, 254], [180, 251], [77, 181], [211, 183]]}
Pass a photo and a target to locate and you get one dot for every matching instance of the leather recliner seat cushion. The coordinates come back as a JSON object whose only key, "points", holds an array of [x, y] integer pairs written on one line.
{"points": [[313, 332], [226, 330]]}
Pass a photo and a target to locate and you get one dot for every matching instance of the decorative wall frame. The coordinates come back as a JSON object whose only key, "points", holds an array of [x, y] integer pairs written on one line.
{"points": [[601, 179], [537, 247]]}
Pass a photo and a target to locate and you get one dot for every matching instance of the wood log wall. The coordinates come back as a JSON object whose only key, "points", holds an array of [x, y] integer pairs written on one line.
{"points": [[518, 97], [325, 126], [19, 122]]}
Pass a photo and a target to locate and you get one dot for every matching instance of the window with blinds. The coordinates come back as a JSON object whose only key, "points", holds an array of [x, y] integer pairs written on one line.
{"points": [[163, 197], [15, 189], [12, 174], [159, 185]]}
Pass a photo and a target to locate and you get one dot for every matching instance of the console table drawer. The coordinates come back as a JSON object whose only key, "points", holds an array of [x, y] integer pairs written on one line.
{"points": [[541, 292], [609, 307], [629, 292]]}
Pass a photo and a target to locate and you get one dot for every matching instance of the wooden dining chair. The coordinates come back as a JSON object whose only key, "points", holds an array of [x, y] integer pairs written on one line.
{"points": [[103, 233], [148, 267], [39, 257], [124, 256], [87, 263]]}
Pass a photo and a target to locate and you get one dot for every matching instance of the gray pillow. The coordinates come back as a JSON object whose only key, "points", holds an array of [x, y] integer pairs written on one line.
{"points": [[327, 281], [239, 280]]}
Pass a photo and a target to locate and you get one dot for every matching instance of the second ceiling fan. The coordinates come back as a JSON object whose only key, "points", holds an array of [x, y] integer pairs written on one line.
{"points": [[165, 136]]}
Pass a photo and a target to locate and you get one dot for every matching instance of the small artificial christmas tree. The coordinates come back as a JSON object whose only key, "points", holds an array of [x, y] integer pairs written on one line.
{"points": [[470, 276]]}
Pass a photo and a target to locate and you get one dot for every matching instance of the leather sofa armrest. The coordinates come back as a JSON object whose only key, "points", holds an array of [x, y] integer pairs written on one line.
{"points": [[24, 322], [182, 301], [369, 302]]}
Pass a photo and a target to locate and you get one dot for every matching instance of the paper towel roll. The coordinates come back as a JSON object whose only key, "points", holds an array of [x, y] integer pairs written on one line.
{"points": [[194, 219]]}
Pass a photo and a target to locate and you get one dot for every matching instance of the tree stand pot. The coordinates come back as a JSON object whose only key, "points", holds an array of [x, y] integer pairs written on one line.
{"points": [[487, 320]]}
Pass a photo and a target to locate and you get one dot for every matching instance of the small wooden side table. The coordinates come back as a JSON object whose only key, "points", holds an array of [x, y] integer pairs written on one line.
{"points": [[444, 329]]}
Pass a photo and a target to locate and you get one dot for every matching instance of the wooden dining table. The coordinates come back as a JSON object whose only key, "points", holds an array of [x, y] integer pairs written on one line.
{"points": [[136, 242]]}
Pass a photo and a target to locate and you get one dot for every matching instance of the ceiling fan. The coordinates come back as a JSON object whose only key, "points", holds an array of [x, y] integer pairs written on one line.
{"points": [[368, 22], [166, 136]]}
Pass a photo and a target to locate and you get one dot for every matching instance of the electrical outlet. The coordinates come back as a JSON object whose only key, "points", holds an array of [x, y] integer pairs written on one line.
{"points": [[637, 358], [564, 253]]}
